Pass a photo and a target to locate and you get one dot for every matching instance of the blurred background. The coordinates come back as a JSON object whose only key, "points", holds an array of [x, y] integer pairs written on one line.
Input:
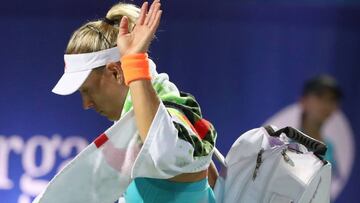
{"points": [[244, 61]]}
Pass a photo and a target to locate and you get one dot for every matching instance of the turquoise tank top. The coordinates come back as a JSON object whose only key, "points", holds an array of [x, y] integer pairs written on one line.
{"points": [[150, 190]]}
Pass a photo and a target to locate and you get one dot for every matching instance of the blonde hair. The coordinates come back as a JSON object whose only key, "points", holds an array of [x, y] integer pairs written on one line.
{"points": [[99, 35]]}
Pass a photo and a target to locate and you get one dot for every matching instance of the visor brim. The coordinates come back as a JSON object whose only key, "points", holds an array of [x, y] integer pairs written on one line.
{"points": [[70, 82]]}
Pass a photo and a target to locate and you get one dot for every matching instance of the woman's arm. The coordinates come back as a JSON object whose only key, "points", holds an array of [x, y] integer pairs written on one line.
{"points": [[146, 104], [143, 95]]}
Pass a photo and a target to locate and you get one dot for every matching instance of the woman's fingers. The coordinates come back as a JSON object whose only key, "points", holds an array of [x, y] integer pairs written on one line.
{"points": [[124, 26], [154, 25], [153, 14], [144, 9], [155, 20], [149, 14]]}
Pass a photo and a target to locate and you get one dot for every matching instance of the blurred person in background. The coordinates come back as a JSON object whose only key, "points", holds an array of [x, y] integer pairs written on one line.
{"points": [[318, 115], [320, 99]]}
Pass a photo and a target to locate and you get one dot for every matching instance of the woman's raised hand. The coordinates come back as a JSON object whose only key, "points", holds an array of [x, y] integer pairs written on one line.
{"points": [[139, 39]]}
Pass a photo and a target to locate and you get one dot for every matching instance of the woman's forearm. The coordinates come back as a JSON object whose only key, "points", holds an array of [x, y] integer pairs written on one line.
{"points": [[145, 103]]}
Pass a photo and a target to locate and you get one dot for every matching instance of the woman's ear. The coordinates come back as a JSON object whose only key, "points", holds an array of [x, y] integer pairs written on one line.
{"points": [[114, 71]]}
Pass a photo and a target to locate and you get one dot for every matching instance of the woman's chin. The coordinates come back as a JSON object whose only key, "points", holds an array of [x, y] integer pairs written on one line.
{"points": [[111, 117]]}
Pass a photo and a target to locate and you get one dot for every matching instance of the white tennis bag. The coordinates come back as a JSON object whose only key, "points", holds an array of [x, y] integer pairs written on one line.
{"points": [[263, 166]]}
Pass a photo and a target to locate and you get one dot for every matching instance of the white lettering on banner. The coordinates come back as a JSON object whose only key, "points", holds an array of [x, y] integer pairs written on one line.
{"points": [[48, 146], [48, 154], [24, 199], [68, 145], [53, 152], [30, 186], [15, 144]]}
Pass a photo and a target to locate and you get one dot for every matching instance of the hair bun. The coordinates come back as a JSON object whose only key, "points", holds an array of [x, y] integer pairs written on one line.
{"points": [[109, 21]]}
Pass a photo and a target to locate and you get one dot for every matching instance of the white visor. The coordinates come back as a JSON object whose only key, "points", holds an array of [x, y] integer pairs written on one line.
{"points": [[79, 66]]}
